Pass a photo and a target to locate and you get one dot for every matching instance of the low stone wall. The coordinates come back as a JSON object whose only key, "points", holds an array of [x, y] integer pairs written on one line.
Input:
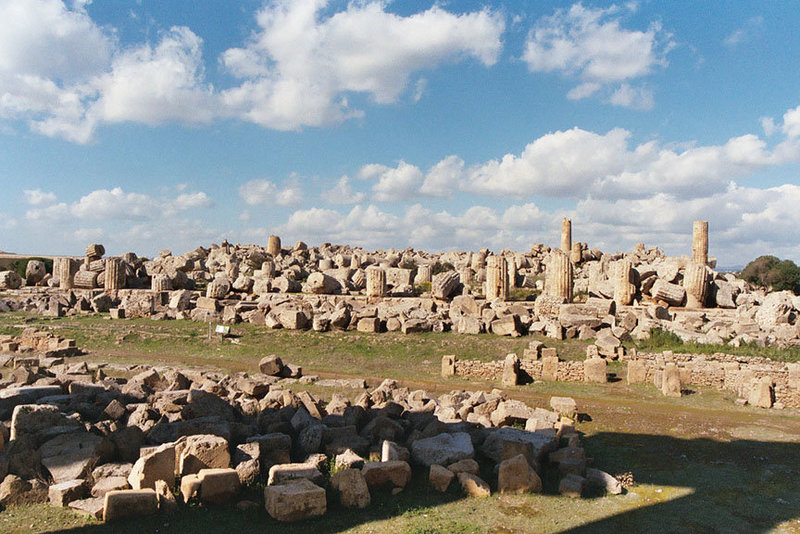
{"points": [[722, 371]]}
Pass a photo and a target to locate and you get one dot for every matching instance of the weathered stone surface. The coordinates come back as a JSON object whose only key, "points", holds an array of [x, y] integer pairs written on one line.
{"points": [[270, 365], [218, 486], [63, 493], [282, 473], [671, 381], [158, 464], [104, 485], [91, 507], [352, 488], [73, 455], [12, 489], [296, 500], [506, 326], [201, 451], [564, 405], [449, 365], [382, 474], [549, 367], [515, 475], [30, 419], [637, 372], [440, 478], [445, 284], [473, 485], [603, 480], [572, 486], [594, 370], [511, 411], [129, 503], [511, 371], [761, 393], [672, 294], [442, 449]]}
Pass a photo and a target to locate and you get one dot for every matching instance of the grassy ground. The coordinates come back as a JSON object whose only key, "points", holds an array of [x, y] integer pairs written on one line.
{"points": [[701, 463]]}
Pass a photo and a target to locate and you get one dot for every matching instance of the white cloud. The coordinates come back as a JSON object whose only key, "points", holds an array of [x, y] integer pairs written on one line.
{"points": [[627, 96], [66, 75], [297, 68], [591, 45], [750, 31], [768, 125], [265, 192], [343, 193], [37, 197], [153, 85], [187, 201], [444, 178], [398, 184], [791, 122], [117, 205]]}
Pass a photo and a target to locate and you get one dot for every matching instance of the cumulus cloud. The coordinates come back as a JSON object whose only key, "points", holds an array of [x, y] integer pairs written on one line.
{"points": [[66, 75], [266, 193], [298, 66], [117, 205], [590, 45], [37, 197], [343, 193], [398, 183], [577, 163]]}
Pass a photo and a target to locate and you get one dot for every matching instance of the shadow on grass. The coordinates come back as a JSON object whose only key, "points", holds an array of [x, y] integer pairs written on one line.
{"points": [[683, 485]]}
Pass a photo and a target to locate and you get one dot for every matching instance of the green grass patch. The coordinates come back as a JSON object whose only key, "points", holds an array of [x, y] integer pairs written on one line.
{"points": [[661, 340]]}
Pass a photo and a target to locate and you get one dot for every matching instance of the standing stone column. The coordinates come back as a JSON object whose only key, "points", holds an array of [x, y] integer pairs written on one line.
{"points": [[274, 245], [624, 289], [700, 242], [512, 272], [423, 274], [696, 280], [115, 274], [479, 260], [559, 276], [577, 253], [496, 278], [65, 269], [376, 282], [566, 235]]}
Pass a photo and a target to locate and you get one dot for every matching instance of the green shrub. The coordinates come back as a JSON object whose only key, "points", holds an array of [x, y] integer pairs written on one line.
{"points": [[20, 265], [440, 267], [771, 273]]}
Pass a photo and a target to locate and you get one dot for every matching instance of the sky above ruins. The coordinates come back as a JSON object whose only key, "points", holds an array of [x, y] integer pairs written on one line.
{"points": [[154, 124]]}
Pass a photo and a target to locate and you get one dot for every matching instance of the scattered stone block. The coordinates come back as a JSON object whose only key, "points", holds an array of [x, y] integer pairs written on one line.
{"points": [[473, 486], [380, 475], [440, 478], [158, 464], [671, 381], [572, 486], [352, 488], [296, 500], [63, 493], [594, 370], [515, 475], [129, 503], [442, 449]]}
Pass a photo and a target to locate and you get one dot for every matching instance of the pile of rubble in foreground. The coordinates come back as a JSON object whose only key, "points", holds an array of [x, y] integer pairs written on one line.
{"points": [[113, 447]]}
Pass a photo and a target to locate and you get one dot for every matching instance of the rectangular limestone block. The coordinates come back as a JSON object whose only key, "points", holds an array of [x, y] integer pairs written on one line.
{"points": [[549, 368], [296, 500], [129, 503]]}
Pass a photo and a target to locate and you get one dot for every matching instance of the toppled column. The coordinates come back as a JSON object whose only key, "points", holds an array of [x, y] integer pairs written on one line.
{"points": [[496, 278], [577, 253], [376, 282], [445, 284], [64, 269], [672, 294], [85, 280], [559, 275], [700, 242], [274, 245], [95, 251], [566, 235], [115, 275], [624, 288], [696, 281]]}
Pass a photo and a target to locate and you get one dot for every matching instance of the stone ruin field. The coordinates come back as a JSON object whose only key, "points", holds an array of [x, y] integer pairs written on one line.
{"points": [[333, 389]]}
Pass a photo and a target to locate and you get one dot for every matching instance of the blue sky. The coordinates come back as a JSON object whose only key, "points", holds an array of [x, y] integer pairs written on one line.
{"points": [[145, 125]]}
